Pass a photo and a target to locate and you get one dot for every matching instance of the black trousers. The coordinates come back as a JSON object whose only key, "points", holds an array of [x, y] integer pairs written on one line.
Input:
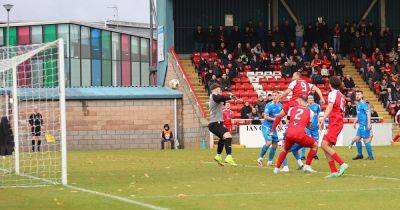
{"points": [[163, 142]]}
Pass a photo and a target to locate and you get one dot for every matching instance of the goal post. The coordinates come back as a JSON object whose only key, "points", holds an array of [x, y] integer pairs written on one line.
{"points": [[33, 149]]}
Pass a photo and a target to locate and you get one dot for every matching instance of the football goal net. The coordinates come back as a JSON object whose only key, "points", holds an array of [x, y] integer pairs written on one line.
{"points": [[33, 121]]}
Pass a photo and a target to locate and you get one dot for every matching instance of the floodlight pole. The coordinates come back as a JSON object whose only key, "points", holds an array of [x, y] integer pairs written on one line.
{"points": [[8, 7]]}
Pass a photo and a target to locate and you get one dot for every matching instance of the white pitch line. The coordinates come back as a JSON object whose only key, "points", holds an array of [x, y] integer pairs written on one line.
{"points": [[271, 192], [355, 175], [123, 199]]}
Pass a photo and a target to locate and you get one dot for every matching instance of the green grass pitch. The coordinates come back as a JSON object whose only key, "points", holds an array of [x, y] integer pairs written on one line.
{"points": [[188, 179]]}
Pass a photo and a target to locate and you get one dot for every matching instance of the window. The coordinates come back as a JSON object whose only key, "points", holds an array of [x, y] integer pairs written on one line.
{"points": [[75, 72], [2, 42], [85, 42], [96, 56], [23, 35], [106, 73], [63, 32], [50, 33], [37, 34], [75, 41], [37, 72], [135, 58], [13, 36], [86, 76], [144, 65], [126, 57], [116, 59]]}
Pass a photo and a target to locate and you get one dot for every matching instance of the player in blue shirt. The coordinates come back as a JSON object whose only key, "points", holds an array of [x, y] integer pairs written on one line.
{"points": [[272, 109], [364, 128], [314, 129]]}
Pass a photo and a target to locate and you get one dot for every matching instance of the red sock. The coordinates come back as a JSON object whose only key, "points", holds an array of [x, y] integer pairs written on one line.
{"points": [[281, 158], [336, 157], [310, 156], [332, 166]]}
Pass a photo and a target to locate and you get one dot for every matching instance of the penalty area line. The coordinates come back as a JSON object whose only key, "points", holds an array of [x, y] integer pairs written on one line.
{"points": [[115, 197], [346, 174]]}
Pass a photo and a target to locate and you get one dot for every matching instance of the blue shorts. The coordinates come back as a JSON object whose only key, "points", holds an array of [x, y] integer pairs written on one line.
{"points": [[363, 132], [266, 133], [313, 133]]}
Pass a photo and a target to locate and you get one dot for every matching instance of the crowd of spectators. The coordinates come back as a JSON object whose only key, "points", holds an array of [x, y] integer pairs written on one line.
{"points": [[314, 48]]}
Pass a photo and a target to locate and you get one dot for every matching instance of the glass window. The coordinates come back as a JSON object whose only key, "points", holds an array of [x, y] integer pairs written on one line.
{"points": [[50, 33], [144, 49], [24, 74], [23, 35], [37, 72], [96, 72], [75, 72], [37, 34], [50, 71], [13, 36], [2, 42], [86, 75], [63, 32], [106, 73], [116, 48], [135, 73], [75, 41], [85, 42], [145, 74], [95, 44], [116, 73], [106, 45], [126, 56], [135, 48], [67, 72]]}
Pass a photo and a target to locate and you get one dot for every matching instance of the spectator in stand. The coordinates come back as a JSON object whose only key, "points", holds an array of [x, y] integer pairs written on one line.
{"points": [[382, 90], [212, 81], [389, 97], [255, 63], [225, 83], [216, 70], [374, 114], [261, 33], [238, 51], [392, 55], [346, 40], [337, 66], [245, 111], [198, 39], [276, 34], [348, 82], [221, 35], [274, 50], [363, 66], [357, 44], [210, 39], [336, 38], [350, 110], [235, 37], [324, 71], [396, 67], [255, 117], [397, 106], [287, 32], [370, 43], [299, 34], [286, 71], [258, 49], [261, 104], [227, 116], [316, 76], [269, 98], [309, 34], [388, 39], [304, 55], [248, 35]]}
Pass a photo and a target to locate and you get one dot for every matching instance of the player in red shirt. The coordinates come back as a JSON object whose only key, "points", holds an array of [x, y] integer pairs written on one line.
{"points": [[300, 119], [227, 115], [334, 112], [297, 87]]}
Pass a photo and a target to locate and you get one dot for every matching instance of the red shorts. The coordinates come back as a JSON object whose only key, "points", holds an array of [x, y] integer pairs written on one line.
{"points": [[288, 105], [298, 138], [332, 132]]}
